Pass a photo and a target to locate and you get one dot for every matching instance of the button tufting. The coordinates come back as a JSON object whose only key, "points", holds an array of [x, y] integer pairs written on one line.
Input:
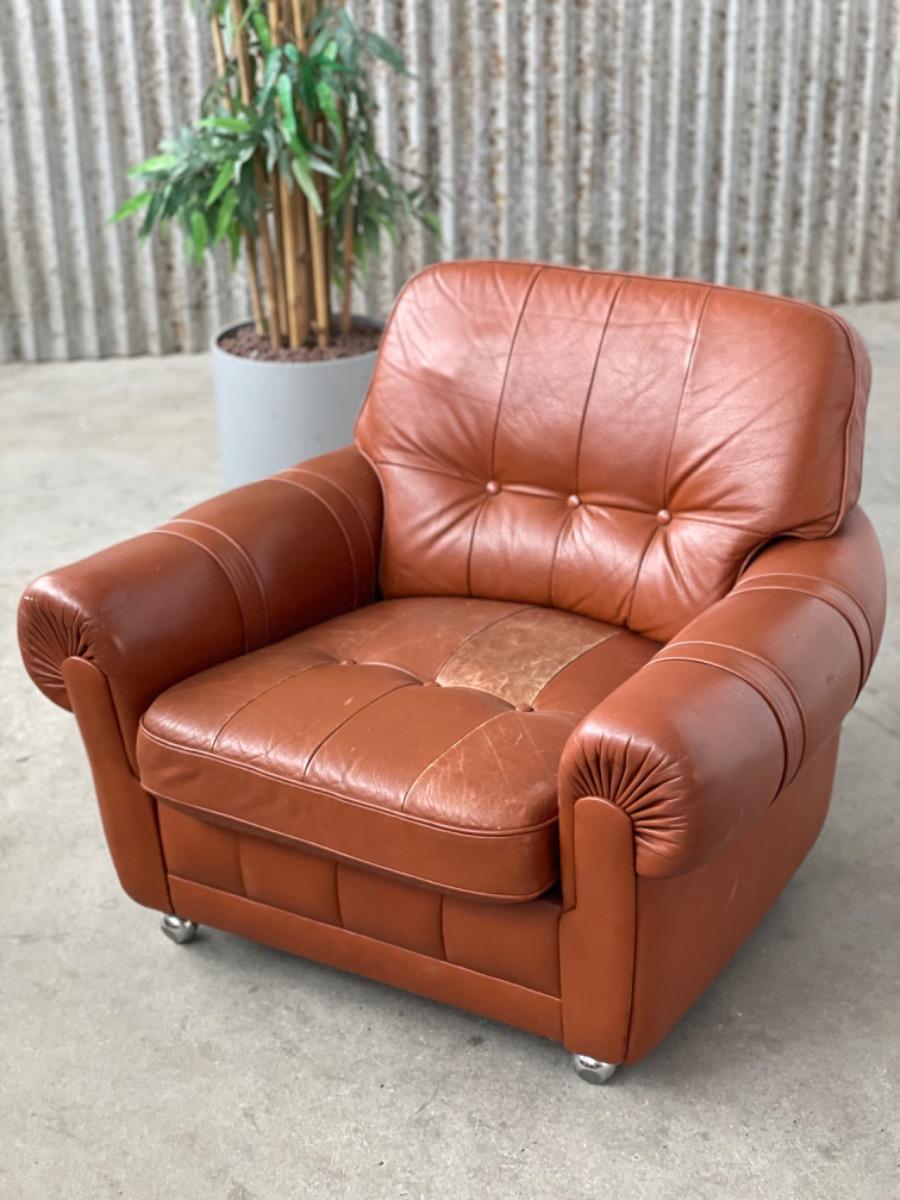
{"points": [[524, 708], [573, 501], [493, 487], [664, 516], [347, 662]]}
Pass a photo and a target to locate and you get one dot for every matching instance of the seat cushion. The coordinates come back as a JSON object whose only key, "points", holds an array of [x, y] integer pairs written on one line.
{"points": [[420, 736]]}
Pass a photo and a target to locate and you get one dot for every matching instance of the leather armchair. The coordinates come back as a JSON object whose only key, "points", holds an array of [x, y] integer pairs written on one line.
{"points": [[528, 702]]}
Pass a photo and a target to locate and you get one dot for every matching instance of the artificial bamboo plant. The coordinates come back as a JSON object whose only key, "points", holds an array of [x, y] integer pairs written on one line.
{"points": [[283, 163]]}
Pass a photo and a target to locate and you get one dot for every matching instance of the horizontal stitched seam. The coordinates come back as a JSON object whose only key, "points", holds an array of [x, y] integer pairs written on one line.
{"points": [[351, 933], [313, 787]]}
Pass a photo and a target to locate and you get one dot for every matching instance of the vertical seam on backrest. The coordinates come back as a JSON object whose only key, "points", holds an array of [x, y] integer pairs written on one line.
{"points": [[512, 343], [567, 517], [587, 399], [590, 386], [477, 518], [684, 383], [665, 480]]}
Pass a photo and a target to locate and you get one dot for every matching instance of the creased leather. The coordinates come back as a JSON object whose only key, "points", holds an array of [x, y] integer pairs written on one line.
{"points": [[165, 605], [361, 741], [613, 445], [385, 737], [697, 744]]}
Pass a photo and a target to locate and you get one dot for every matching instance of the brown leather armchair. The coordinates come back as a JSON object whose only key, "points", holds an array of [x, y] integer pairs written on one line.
{"points": [[530, 701]]}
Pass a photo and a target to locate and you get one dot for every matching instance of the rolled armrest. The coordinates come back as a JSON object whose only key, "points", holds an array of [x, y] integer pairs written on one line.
{"points": [[697, 744], [232, 574]]}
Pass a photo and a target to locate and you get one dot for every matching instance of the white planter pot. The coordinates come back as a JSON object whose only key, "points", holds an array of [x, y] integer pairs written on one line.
{"points": [[272, 415]]}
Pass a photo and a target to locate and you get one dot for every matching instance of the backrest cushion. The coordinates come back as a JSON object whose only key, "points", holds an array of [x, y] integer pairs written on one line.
{"points": [[614, 445]]}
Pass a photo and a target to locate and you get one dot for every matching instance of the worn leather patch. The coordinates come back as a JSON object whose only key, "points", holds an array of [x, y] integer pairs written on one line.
{"points": [[515, 658]]}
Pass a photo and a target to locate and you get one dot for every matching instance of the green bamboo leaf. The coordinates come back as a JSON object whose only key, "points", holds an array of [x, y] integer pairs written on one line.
{"points": [[389, 54], [226, 212], [159, 162], [286, 100], [261, 25], [324, 168], [325, 97], [301, 173], [132, 205], [199, 234], [223, 179], [152, 214], [229, 124]]}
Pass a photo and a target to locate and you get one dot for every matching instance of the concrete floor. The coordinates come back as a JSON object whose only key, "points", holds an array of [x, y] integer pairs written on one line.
{"points": [[136, 1069]]}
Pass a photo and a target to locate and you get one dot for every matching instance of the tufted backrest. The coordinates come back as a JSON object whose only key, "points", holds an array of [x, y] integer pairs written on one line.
{"points": [[614, 445]]}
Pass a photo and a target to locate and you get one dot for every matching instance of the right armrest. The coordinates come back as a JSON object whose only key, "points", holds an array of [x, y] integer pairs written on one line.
{"points": [[239, 571], [699, 742]]}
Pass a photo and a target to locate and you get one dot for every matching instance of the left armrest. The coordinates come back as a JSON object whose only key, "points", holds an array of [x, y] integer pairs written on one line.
{"points": [[231, 574], [698, 743]]}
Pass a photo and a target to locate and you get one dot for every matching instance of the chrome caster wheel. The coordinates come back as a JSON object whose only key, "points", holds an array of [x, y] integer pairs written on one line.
{"points": [[178, 929], [592, 1069]]}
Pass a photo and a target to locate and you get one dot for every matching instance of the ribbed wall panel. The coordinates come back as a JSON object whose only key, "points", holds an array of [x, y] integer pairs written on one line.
{"points": [[745, 141]]}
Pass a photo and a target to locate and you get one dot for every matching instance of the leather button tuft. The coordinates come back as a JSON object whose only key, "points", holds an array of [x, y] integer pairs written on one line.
{"points": [[573, 501], [347, 662], [492, 488], [524, 708], [664, 516]]}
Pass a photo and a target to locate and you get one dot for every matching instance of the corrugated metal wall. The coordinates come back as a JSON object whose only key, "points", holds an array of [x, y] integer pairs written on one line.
{"points": [[750, 141]]}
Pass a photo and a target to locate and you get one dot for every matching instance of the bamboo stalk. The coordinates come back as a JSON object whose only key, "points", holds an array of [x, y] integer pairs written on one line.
{"points": [[346, 313], [256, 307], [293, 230], [299, 25], [304, 262], [279, 205], [320, 277], [316, 225], [246, 84]]}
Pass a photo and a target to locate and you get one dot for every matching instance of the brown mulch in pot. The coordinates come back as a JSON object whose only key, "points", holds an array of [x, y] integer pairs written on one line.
{"points": [[245, 342]]}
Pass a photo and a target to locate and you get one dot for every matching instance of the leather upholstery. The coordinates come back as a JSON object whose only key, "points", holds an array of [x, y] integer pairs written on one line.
{"points": [[417, 736], [699, 743], [226, 576], [588, 603], [515, 942], [613, 445]]}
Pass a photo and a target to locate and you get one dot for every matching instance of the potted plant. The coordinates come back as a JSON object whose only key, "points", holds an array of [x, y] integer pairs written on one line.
{"points": [[282, 165]]}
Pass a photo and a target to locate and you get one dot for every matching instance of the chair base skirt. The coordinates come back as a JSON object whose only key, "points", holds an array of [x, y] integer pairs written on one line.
{"points": [[458, 986]]}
